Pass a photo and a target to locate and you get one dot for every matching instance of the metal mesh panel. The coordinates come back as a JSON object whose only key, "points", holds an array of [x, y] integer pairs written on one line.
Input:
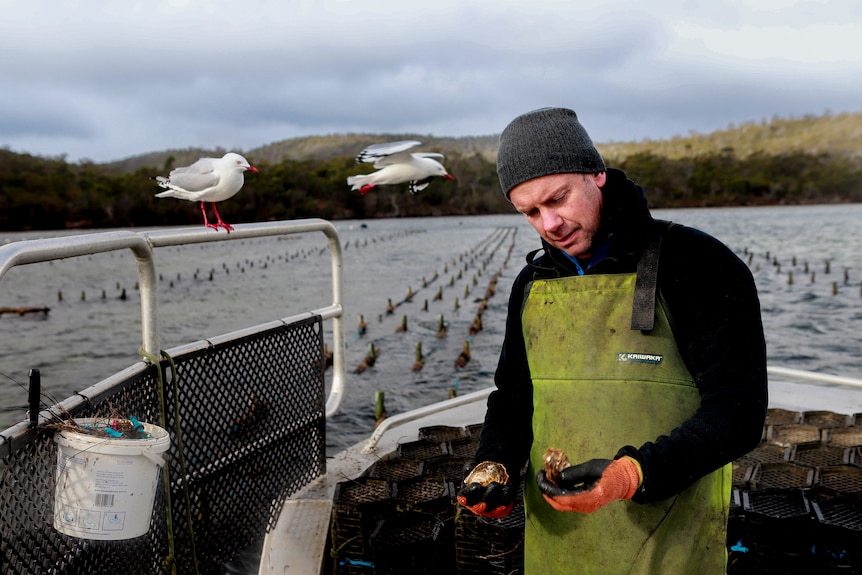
{"points": [[252, 427]]}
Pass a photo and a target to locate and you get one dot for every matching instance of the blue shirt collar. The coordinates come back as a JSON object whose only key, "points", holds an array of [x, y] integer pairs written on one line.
{"points": [[597, 256]]}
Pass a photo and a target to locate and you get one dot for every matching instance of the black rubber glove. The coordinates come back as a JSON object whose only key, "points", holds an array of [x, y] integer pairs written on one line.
{"points": [[590, 486], [493, 500]]}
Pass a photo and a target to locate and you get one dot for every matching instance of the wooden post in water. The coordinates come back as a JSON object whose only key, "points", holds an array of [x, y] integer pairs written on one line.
{"points": [[379, 407]]}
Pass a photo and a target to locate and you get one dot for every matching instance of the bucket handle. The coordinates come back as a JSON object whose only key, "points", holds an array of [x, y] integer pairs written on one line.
{"points": [[156, 458]]}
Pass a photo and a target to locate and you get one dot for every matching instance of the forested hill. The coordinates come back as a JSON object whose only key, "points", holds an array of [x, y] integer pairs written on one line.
{"points": [[812, 159], [838, 135], [317, 148]]}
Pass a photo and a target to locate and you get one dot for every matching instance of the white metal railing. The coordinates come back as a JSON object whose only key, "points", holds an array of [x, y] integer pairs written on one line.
{"points": [[813, 376], [481, 395], [418, 413], [142, 244]]}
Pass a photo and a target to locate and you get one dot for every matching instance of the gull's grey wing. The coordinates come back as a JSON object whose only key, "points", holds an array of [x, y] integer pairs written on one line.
{"points": [[377, 152], [432, 155], [202, 166], [196, 177], [192, 182]]}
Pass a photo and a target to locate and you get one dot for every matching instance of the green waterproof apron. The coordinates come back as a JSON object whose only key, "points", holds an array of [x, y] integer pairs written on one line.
{"points": [[599, 385]]}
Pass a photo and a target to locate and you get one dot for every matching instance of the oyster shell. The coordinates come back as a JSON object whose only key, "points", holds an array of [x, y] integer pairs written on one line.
{"points": [[486, 473], [555, 461]]}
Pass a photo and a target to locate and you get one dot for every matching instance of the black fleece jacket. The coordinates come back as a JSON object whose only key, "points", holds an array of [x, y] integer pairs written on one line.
{"points": [[714, 311]]}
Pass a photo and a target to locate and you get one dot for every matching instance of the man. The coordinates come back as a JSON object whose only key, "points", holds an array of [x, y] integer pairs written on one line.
{"points": [[636, 347]]}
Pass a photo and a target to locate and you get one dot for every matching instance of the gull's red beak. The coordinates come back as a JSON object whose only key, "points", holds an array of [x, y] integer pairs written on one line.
{"points": [[449, 177], [253, 169]]}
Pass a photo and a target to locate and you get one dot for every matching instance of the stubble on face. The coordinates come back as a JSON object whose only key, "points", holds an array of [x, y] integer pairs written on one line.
{"points": [[565, 209]]}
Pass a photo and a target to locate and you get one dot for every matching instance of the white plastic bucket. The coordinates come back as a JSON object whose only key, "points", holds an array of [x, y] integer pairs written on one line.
{"points": [[105, 487]]}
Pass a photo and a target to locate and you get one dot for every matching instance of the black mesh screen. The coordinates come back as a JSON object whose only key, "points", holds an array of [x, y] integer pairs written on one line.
{"points": [[251, 424]]}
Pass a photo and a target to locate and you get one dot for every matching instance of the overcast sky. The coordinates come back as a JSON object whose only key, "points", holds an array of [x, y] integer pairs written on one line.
{"points": [[104, 80]]}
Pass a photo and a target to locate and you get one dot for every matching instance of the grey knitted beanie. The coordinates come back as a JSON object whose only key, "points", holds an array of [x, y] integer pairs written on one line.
{"points": [[542, 142]]}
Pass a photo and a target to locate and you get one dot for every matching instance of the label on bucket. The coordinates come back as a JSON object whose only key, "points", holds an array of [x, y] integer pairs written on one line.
{"points": [[105, 496]]}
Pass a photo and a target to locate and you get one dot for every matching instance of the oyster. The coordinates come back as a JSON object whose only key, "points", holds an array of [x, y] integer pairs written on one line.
{"points": [[555, 461], [486, 473]]}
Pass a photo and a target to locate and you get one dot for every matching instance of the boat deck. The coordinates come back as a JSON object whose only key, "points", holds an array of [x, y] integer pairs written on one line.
{"points": [[297, 544]]}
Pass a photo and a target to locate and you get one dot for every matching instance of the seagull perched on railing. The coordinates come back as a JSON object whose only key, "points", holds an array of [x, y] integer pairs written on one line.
{"points": [[396, 165], [207, 180]]}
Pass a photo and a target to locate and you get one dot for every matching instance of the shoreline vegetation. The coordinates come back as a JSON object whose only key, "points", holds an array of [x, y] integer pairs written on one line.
{"points": [[795, 161]]}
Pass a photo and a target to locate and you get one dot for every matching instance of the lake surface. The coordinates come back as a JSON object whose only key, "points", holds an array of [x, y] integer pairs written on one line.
{"points": [[205, 290]]}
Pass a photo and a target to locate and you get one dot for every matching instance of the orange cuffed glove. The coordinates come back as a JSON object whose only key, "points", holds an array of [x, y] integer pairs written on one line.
{"points": [[592, 485]]}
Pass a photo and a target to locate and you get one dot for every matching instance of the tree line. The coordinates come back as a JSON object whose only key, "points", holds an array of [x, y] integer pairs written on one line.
{"points": [[50, 193]]}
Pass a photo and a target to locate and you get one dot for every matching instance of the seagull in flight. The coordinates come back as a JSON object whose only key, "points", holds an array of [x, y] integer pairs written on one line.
{"points": [[209, 180], [397, 165]]}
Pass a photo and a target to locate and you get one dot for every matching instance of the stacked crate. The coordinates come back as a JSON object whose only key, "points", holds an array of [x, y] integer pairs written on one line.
{"points": [[800, 497], [796, 506]]}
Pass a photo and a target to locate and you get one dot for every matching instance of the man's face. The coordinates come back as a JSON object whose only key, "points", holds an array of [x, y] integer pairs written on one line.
{"points": [[566, 209]]}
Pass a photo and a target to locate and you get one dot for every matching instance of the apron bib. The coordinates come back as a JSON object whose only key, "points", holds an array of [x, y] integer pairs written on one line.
{"points": [[599, 385]]}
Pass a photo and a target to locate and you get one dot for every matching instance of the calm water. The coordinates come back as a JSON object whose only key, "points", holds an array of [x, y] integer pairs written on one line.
{"points": [[210, 289]]}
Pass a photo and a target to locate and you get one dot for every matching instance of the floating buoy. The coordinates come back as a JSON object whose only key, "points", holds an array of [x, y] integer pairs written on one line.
{"points": [[464, 356], [369, 360], [476, 326]]}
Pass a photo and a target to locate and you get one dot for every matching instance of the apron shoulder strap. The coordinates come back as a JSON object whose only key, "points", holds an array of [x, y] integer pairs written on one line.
{"points": [[643, 306]]}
